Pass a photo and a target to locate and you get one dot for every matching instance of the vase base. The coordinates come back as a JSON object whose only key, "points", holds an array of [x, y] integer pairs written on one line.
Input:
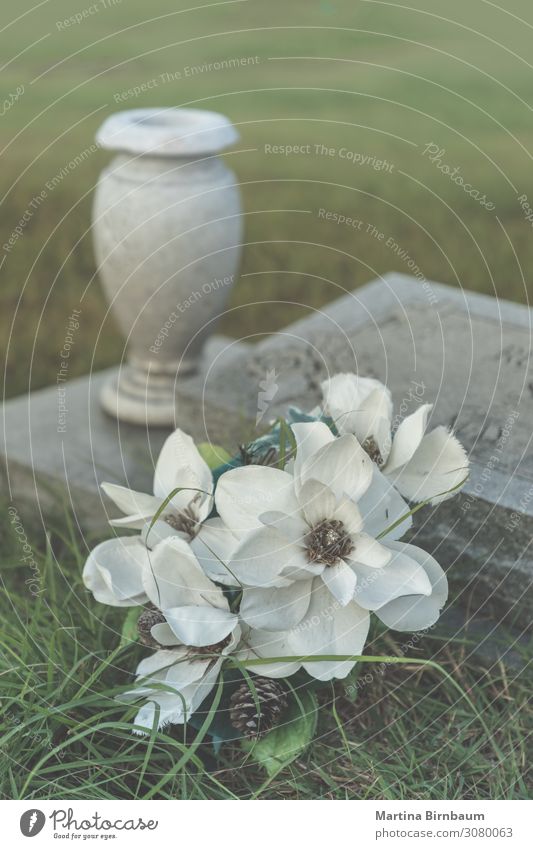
{"points": [[141, 397]]}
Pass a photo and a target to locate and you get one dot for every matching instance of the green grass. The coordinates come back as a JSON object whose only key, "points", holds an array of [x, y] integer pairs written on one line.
{"points": [[378, 78], [409, 733]]}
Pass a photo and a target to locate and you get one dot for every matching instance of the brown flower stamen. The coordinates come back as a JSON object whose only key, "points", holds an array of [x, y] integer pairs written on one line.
{"points": [[328, 542], [185, 521], [371, 448], [149, 617]]}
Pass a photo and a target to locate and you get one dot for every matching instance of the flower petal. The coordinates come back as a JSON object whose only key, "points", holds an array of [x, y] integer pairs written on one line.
{"points": [[275, 608], [407, 438], [373, 421], [317, 502], [340, 581], [349, 514], [243, 494], [180, 465], [417, 612], [177, 707], [214, 546], [310, 437], [369, 551], [260, 558], [264, 644], [138, 506], [174, 578], [293, 528], [357, 404], [151, 535], [438, 465], [113, 571], [171, 710], [172, 666], [382, 506], [200, 625], [329, 628], [342, 465], [402, 576], [164, 635], [158, 663]]}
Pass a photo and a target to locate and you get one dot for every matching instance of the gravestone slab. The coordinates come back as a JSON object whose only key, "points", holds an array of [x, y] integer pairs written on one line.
{"points": [[469, 354]]}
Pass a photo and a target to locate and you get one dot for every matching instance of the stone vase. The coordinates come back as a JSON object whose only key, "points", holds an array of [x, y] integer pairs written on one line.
{"points": [[167, 231]]}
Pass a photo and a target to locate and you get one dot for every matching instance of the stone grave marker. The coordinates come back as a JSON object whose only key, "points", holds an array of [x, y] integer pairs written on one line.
{"points": [[469, 354]]}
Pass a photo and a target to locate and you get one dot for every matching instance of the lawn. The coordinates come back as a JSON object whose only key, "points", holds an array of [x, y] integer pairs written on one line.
{"points": [[408, 732], [377, 79]]}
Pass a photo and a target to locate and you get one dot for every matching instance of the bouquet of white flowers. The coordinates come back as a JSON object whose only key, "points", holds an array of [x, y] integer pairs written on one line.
{"points": [[253, 578]]}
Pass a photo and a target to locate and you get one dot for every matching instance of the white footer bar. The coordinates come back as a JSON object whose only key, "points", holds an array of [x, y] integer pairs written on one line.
{"points": [[268, 824]]}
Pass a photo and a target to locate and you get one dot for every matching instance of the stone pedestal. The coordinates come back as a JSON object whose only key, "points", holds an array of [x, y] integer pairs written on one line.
{"points": [[167, 233]]}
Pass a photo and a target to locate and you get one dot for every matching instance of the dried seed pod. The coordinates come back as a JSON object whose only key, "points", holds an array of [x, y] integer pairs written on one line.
{"points": [[149, 617], [254, 714]]}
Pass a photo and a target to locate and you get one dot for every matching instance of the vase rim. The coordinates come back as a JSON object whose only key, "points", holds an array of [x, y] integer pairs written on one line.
{"points": [[167, 132]]}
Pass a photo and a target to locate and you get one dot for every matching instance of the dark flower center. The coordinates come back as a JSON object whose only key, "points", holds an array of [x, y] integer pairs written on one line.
{"points": [[328, 542], [186, 521], [371, 448], [149, 617]]}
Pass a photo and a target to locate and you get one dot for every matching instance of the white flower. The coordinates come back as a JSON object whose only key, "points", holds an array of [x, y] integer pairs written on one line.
{"points": [[196, 611], [179, 465], [311, 528], [406, 595], [308, 569], [196, 632], [262, 645], [422, 466], [413, 611], [325, 628], [114, 572], [176, 682]]}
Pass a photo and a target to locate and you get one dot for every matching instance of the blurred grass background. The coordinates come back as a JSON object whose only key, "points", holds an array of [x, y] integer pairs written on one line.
{"points": [[379, 78]]}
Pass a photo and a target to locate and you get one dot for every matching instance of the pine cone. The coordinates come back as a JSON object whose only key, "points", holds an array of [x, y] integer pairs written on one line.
{"points": [[148, 618], [254, 717]]}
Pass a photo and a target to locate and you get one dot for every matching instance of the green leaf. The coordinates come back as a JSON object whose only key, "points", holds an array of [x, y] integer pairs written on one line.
{"points": [[214, 455], [285, 436], [284, 743], [129, 633]]}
